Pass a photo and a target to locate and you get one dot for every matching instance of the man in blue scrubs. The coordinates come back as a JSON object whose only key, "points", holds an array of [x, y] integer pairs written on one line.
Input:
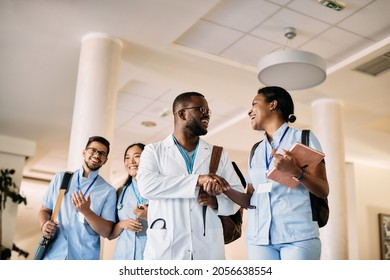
{"points": [[87, 210]]}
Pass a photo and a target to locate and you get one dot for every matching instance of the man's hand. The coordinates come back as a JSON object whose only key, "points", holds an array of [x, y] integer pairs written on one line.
{"points": [[213, 184], [205, 199], [80, 202], [49, 228]]}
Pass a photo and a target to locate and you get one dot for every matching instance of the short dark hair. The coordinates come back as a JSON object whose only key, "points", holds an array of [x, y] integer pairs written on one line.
{"points": [[285, 103], [99, 139], [183, 99]]}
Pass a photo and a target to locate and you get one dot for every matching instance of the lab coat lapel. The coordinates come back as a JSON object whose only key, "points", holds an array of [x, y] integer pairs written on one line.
{"points": [[174, 153], [203, 155]]}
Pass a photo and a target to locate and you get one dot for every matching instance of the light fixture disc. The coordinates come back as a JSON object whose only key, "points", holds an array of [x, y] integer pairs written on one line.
{"points": [[292, 69]]}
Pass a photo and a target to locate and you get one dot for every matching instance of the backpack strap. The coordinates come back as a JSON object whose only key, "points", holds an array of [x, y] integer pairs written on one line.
{"points": [[239, 173], [316, 203], [304, 140], [305, 137], [313, 201], [253, 152]]}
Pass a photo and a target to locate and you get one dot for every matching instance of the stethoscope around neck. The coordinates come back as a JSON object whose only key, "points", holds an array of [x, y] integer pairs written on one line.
{"points": [[119, 206]]}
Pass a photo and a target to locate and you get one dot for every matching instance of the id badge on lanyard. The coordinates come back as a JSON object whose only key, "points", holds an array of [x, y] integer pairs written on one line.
{"points": [[266, 186]]}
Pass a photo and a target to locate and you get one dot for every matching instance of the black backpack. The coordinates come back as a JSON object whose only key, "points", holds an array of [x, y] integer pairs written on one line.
{"points": [[319, 206]]}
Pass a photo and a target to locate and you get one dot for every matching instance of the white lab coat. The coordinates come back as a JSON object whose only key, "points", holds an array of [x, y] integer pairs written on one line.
{"points": [[163, 179]]}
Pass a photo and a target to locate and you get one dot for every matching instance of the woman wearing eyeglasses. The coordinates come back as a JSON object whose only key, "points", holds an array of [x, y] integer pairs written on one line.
{"points": [[131, 225]]}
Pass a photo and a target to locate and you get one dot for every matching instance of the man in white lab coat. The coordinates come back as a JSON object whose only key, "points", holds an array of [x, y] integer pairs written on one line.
{"points": [[171, 174]]}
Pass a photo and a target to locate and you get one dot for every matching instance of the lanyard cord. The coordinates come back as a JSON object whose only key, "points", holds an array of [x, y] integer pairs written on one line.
{"points": [[137, 197], [187, 158], [78, 183], [268, 160]]}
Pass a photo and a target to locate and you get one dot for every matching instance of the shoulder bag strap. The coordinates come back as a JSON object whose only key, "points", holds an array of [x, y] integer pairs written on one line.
{"points": [[214, 162], [215, 157], [63, 189]]}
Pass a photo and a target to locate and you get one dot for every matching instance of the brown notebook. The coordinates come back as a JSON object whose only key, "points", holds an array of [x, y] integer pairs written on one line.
{"points": [[306, 157]]}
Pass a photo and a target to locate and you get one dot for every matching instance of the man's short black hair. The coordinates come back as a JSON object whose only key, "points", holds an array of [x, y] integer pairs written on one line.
{"points": [[183, 99], [99, 139]]}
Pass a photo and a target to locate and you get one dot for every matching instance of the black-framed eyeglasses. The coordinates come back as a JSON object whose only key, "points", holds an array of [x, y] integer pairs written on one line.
{"points": [[202, 109], [93, 151]]}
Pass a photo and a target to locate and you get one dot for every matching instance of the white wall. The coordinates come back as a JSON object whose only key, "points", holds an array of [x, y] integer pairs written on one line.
{"points": [[372, 198]]}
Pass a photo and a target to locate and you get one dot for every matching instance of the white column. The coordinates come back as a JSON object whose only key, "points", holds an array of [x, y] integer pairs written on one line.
{"points": [[328, 127], [96, 95], [95, 101]]}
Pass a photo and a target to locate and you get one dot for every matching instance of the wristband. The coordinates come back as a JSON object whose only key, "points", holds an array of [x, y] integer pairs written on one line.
{"points": [[300, 176]]}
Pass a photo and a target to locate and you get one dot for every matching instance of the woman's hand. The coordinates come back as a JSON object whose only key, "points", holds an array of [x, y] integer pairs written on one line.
{"points": [[141, 211], [131, 224], [286, 163]]}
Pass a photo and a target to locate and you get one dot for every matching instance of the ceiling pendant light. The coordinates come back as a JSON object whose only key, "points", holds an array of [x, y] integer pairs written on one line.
{"points": [[292, 69]]}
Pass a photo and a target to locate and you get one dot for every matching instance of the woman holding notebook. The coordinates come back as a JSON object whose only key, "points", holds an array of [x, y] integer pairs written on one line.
{"points": [[279, 224]]}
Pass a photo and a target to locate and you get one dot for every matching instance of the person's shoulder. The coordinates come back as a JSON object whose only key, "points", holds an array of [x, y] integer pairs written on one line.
{"points": [[59, 175], [206, 144], [294, 134], [167, 142], [295, 129], [105, 184]]}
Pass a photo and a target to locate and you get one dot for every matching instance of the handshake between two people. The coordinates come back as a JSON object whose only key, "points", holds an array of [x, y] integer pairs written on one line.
{"points": [[212, 185]]}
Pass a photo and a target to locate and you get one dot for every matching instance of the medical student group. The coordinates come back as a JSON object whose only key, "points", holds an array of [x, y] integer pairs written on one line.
{"points": [[158, 212]]}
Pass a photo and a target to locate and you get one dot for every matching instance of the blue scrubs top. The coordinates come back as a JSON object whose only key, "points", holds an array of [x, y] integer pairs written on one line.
{"points": [[74, 238], [129, 246], [282, 215]]}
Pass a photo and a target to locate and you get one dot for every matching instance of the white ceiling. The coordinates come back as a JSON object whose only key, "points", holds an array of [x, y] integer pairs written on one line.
{"points": [[171, 46]]}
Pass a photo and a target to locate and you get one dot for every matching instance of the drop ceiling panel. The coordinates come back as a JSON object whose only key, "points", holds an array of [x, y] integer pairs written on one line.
{"points": [[336, 44], [209, 37], [156, 109], [312, 8], [273, 28], [169, 96], [372, 22], [249, 50], [121, 117], [132, 103], [144, 89], [229, 13], [134, 125]]}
